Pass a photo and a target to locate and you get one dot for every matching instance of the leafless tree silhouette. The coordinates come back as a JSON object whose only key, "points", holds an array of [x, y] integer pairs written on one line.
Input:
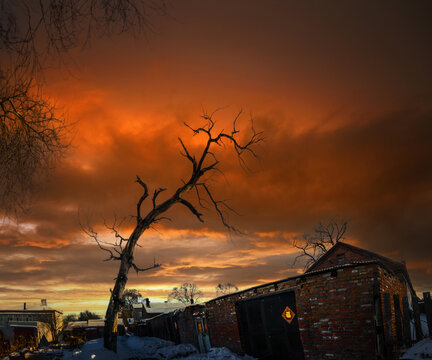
{"points": [[227, 288], [187, 293], [205, 163], [33, 33], [32, 139], [314, 245]]}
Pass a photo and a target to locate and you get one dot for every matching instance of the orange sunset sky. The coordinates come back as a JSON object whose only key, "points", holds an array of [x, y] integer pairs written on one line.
{"points": [[342, 91]]}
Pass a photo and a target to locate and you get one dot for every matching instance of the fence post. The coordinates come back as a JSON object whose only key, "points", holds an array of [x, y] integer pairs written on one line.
{"points": [[406, 321], [388, 331], [417, 323], [428, 310], [398, 318], [379, 328]]}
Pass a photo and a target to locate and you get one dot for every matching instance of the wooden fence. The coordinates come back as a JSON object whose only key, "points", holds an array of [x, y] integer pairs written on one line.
{"points": [[403, 326]]}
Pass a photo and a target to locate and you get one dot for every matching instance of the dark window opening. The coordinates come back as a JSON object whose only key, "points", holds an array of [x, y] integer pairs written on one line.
{"points": [[341, 259], [333, 273]]}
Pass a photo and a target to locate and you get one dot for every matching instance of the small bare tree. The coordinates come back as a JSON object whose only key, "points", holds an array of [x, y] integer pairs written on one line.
{"points": [[187, 293], [130, 297], [316, 244], [227, 288], [204, 164]]}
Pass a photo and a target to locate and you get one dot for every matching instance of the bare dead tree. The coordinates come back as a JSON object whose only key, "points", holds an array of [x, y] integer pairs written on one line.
{"points": [[205, 163], [316, 244], [226, 288], [187, 293], [35, 35]]}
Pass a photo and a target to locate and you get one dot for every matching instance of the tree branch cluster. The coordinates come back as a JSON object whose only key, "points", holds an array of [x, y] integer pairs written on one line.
{"points": [[35, 35], [207, 162], [187, 293], [36, 31], [32, 139], [123, 248], [116, 249], [314, 245]]}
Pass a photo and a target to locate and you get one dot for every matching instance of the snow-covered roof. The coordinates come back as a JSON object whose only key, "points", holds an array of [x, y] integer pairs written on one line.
{"points": [[30, 311], [90, 323], [40, 308], [159, 307], [305, 275], [24, 324], [163, 307]]}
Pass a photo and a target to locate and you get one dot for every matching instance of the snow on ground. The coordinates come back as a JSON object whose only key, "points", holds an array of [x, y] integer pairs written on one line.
{"points": [[137, 348], [421, 350], [424, 325]]}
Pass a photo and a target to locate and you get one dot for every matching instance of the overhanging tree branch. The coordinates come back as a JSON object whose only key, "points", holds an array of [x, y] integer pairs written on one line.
{"points": [[191, 208], [35, 35], [142, 198], [138, 269]]}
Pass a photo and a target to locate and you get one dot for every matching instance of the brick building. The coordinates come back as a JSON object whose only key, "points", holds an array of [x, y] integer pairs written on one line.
{"points": [[348, 305], [30, 322], [90, 329]]}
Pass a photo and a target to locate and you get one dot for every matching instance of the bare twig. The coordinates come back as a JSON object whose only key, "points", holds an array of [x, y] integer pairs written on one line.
{"points": [[155, 195], [94, 235], [191, 208], [138, 269], [313, 246], [142, 198]]}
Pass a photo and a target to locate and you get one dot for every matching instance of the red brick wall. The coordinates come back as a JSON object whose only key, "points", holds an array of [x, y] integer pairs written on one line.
{"points": [[350, 256], [335, 314], [393, 285]]}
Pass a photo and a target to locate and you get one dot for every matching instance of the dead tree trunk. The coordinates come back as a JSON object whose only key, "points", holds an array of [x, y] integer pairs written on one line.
{"points": [[126, 262], [205, 163]]}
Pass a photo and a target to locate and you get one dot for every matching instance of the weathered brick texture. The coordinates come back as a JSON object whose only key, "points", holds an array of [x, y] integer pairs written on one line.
{"points": [[391, 284], [334, 308]]}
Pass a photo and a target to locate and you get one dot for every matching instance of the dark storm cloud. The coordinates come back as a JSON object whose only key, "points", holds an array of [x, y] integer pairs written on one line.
{"points": [[342, 92], [373, 171]]}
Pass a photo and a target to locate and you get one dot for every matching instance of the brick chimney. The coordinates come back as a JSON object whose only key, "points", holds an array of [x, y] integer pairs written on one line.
{"points": [[147, 300], [25, 306]]}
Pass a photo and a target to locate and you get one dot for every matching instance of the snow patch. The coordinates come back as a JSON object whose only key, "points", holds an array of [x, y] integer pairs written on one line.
{"points": [[420, 351], [176, 351], [142, 348]]}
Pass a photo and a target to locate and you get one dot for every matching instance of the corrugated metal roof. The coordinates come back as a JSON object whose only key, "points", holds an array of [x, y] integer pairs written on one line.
{"points": [[30, 309], [90, 323], [160, 307], [24, 324]]}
